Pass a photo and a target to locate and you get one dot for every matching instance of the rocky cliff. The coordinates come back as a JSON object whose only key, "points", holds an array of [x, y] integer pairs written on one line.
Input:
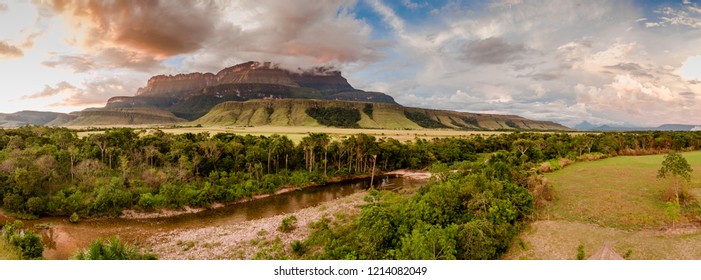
{"points": [[190, 96]]}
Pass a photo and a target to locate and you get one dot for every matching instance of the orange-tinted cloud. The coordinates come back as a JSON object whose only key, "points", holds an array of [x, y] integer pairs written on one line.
{"points": [[90, 93], [158, 28], [110, 58], [8, 51]]}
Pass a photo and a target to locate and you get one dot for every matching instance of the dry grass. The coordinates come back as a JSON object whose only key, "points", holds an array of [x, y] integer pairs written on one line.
{"points": [[296, 133], [7, 252], [558, 240], [618, 200]]}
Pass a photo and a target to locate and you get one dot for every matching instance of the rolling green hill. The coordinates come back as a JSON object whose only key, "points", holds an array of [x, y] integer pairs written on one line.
{"points": [[307, 112], [124, 116]]}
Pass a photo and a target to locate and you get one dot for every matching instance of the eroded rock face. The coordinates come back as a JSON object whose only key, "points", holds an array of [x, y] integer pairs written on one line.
{"points": [[192, 95], [320, 78], [176, 86], [255, 73]]}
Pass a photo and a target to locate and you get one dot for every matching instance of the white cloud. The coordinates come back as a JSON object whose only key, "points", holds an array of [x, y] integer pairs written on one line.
{"points": [[689, 16], [691, 68]]}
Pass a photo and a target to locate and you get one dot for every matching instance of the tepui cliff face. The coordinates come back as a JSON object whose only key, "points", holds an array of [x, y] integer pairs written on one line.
{"points": [[247, 73], [192, 95]]}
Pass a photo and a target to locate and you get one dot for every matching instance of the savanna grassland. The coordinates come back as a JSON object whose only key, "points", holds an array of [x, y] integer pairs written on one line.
{"points": [[619, 201], [296, 133]]}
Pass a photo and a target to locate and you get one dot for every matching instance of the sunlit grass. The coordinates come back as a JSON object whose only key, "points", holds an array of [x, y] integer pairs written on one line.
{"points": [[620, 192], [618, 201]]}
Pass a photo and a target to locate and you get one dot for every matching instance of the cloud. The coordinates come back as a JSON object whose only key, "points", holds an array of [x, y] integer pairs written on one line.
{"points": [[492, 50], [111, 58], [91, 93], [158, 28], [97, 92], [691, 68], [208, 36], [689, 16], [8, 51], [77, 63], [48, 91], [413, 5]]}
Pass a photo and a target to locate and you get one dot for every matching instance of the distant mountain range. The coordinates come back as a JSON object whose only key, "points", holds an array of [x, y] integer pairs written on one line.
{"points": [[256, 93], [586, 126]]}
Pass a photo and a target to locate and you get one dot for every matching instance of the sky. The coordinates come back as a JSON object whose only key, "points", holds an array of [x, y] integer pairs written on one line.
{"points": [[605, 62]]}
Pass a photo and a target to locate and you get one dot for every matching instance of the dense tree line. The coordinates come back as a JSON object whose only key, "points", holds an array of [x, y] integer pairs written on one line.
{"points": [[51, 171]]}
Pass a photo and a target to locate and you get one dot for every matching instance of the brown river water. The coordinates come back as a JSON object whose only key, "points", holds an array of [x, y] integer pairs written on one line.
{"points": [[62, 239]]}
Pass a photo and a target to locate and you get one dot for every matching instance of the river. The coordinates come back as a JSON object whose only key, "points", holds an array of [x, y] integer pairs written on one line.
{"points": [[62, 239]]}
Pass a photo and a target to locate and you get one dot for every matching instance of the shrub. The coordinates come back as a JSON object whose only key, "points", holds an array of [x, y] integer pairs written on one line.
{"points": [[545, 167], [112, 250], [541, 189], [26, 242], [288, 224], [298, 247], [580, 252], [564, 162], [591, 157], [628, 254], [74, 218]]}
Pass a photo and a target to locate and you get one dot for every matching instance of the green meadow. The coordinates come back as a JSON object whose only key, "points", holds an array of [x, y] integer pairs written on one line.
{"points": [[618, 201]]}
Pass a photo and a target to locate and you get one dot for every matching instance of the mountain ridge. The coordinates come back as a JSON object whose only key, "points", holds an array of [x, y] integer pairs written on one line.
{"points": [[250, 80]]}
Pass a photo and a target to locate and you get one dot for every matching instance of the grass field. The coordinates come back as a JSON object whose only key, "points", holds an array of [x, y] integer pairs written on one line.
{"points": [[617, 200], [296, 133]]}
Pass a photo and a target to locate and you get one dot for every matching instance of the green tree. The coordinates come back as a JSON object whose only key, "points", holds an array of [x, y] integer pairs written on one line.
{"points": [[675, 167]]}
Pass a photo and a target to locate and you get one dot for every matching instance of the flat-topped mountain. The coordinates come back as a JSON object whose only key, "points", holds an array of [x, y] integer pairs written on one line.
{"points": [[255, 93], [190, 96]]}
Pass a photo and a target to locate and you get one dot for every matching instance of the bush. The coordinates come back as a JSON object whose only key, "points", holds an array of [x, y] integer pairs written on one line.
{"points": [[74, 218], [112, 250], [298, 247], [288, 224], [26, 242], [580, 252], [29, 245], [541, 189], [564, 162]]}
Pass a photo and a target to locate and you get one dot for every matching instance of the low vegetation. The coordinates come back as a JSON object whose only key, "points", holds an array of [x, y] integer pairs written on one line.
{"points": [[113, 249], [335, 116], [25, 244], [424, 120]]}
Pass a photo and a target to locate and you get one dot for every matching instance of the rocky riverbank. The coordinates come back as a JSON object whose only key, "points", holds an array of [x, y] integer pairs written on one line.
{"points": [[244, 240]]}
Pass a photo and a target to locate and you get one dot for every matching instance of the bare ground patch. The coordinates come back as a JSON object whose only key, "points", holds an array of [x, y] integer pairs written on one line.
{"points": [[558, 240]]}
